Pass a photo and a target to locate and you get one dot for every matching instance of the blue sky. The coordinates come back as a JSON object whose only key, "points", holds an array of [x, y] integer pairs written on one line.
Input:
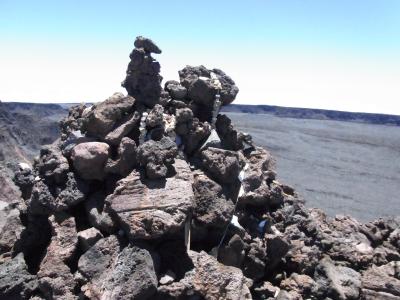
{"points": [[329, 54]]}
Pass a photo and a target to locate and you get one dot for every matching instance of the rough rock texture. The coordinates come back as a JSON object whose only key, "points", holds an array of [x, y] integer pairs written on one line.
{"points": [[209, 279], [149, 209], [143, 80], [89, 159], [154, 196], [117, 274], [10, 227], [100, 119], [55, 280], [157, 165], [15, 280]]}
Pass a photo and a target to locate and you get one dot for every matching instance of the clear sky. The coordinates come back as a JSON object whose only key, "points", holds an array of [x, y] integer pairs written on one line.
{"points": [[332, 54]]}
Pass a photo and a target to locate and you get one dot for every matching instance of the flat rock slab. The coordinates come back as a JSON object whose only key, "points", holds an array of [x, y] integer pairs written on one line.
{"points": [[149, 209]]}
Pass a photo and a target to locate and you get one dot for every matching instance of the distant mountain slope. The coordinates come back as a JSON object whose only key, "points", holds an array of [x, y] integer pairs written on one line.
{"points": [[24, 128], [318, 114]]}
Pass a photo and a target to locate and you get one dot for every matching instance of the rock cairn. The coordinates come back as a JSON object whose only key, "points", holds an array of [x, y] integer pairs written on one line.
{"points": [[154, 195]]}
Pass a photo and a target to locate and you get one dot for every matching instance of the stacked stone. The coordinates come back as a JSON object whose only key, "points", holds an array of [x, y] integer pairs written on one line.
{"points": [[151, 196], [143, 74]]}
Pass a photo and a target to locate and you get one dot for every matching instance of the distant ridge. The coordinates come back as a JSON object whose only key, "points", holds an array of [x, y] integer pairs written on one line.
{"points": [[279, 111], [318, 114]]}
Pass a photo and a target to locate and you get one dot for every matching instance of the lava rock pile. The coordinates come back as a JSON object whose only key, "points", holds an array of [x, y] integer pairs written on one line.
{"points": [[154, 195]]}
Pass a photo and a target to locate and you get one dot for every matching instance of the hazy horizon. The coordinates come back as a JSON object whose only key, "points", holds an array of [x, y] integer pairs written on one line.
{"points": [[313, 54]]}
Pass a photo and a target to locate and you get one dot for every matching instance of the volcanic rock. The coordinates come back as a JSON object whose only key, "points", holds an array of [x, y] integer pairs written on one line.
{"points": [[142, 76], [210, 280], [102, 118], [115, 274], [223, 165], [152, 196], [336, 281], [15, 280], [157, 166], [126, 159], [89, 159], [10, 227], [175, 90], [147, 44], [149, 209]]}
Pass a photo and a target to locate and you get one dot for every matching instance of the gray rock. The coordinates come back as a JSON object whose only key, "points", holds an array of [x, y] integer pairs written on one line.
{"points": [[89, 159], [142, 78], [210, 280], [183, 115], [15, 280], [175, 90], [147, 44], [155, 117], [95, 264], [233, 254], [223, 165], [202, 92], [88, 237], [97, 217], [229, 90], [52, 165], [102, 118], [149, 209], [200, 88], [212, 209], [126, 159], [55, 278], [383, 279], [10, 227], [48, 199], [196, 136], [157, 165], [337, 282], [115, 136], [255, 261], [133, 276], [112, 274]]}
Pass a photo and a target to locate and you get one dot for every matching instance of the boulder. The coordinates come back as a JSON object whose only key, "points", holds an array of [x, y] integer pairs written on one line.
{"points": [[175, 90], [89, 159], [209, 279], [52, 165], [55, 278], [102, 118], [201, 86], [115, 274], [126, 159], [223, 165], [337, 282], [147, 44], [155, 117], [88, 237], [233, 253], [97, 217], [15, 280], [149, 209], [157, 166], [382, 281], [142, 77], [48, 199], [115, 136], [211, 209], [10, 227]]}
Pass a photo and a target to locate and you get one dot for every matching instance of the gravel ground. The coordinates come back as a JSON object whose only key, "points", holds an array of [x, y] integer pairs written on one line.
{"points": [[341, 167]]}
